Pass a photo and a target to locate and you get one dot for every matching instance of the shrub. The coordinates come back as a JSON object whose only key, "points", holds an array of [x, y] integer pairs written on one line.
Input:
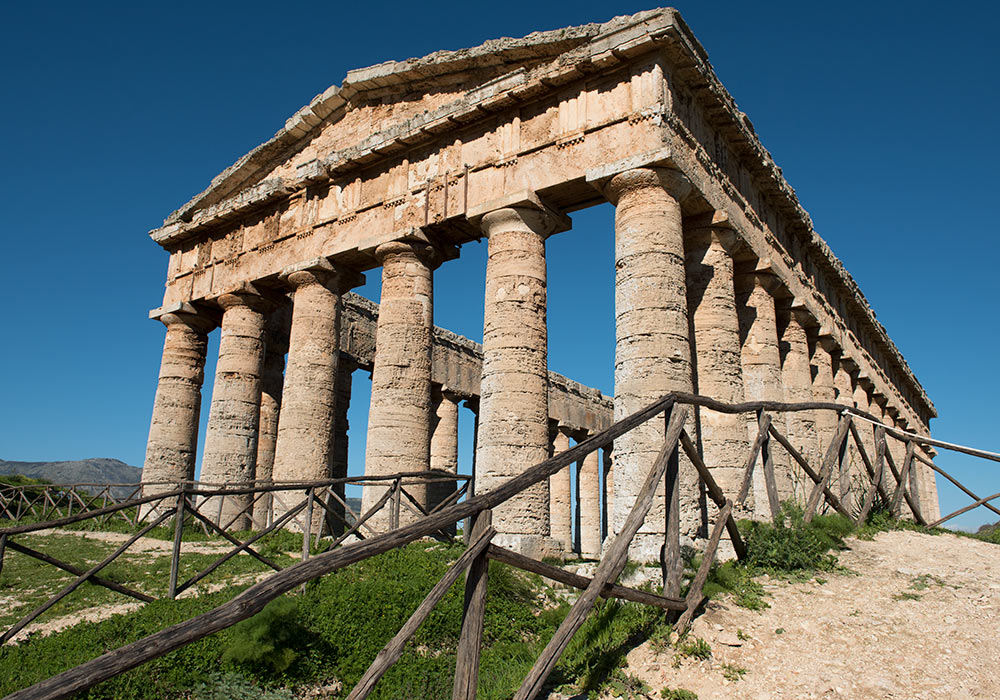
{"points": [[791, 545], [270, 639]]}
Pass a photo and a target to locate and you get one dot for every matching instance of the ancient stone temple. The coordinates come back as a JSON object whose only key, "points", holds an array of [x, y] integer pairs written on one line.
{"points": [[722, 287]]}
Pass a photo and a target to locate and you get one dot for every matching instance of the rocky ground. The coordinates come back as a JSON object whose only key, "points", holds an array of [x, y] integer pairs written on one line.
{"points": [[915, 616]]}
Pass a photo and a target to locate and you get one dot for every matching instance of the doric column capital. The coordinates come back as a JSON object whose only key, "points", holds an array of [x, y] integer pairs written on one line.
{"points": [[236, 299], [849, 365], [710, 230], [441, 392], [801, 316], [184, 314], [746, 282], [673, 181], [425, 252], [336, 278], [542, 222], [518, 211]]}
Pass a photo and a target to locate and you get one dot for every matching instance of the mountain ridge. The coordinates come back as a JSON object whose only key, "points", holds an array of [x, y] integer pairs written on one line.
{"points": [[94, 470]]}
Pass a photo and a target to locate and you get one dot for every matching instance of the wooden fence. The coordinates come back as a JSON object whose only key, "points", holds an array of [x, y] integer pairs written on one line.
{"points": [[884, 477]]}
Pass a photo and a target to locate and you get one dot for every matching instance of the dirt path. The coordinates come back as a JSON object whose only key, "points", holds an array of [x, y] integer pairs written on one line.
{"points": [[920, 620]]}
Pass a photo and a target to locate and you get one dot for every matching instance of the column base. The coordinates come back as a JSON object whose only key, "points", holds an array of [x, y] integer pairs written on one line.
{"points": [[535, 546]]}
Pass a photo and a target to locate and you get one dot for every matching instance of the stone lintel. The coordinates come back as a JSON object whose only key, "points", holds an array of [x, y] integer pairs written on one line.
{"points": [[524, 199], [600, 176]]}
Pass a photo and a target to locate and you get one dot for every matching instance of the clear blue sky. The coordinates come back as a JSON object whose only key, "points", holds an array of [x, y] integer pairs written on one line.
{"points": [[882, 115]]}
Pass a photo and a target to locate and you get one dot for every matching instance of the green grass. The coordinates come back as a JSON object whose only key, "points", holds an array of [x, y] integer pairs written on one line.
{"points": [[333, 631], [31, 582]]}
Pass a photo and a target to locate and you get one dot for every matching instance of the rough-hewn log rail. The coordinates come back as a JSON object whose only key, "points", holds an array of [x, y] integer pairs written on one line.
{"points": [[256, 597]]}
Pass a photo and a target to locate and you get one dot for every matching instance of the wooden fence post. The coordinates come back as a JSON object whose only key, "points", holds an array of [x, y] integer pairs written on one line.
{"points": [[175, 555], [471, 639], [307, 525], [764, 421]]}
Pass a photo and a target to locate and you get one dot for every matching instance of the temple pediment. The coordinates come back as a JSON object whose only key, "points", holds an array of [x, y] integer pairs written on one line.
{"points": [[393, 106]]}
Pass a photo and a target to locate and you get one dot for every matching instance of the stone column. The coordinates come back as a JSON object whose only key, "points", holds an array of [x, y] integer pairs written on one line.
{"points": [[865, 429], [400, 416], [761, 361], [173, 430], [716, 330], [652, 344], [230, 455], [444, 443], [589, 504], [513, 429], [796, 381], [270, 407], [340, 449], [844, 390], [308, 405], [823, 390], [560, 501]]}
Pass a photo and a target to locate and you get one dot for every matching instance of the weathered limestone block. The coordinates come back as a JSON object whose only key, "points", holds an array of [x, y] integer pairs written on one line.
{"points": [[400, 416], [796, 380], [560, 499], [761, 360], [513, 431], [652, 344], [230, 455], [589, 503], [173, 430], [712, 305]]}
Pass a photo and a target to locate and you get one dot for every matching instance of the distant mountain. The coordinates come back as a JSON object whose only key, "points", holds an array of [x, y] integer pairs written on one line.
{"points": [[98, 470]]}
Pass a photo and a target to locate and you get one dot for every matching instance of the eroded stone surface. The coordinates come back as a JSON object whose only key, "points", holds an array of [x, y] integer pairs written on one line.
{"points": [[173, 430], [513, 431], [230, 455], [399, 417], [652, 343]]}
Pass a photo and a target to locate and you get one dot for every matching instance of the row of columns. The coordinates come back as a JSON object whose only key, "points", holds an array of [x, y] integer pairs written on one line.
{"points": [[690, 315]]}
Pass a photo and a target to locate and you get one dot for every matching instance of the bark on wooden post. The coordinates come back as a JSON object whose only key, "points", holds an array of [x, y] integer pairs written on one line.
{"points": [[670, 556], [897, 497], [175, 554], [307, 525], [611, 565], [763, 420], [833, 454], [391, 652], [471, 639]]}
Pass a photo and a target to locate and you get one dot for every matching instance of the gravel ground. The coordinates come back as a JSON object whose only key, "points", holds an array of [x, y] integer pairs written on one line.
{"points": [[918, 617]]}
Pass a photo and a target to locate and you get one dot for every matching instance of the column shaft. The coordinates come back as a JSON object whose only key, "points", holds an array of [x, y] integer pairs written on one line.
{"points": [[796, 380], [560, 501], [444, 444], [652, 348], [305, 427], [823, 390], [844, 390], [761, 360], [230, 455], [589, 503], [270, 408], [716, 330], [400, 414], [173, 429], [513, 429]]}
